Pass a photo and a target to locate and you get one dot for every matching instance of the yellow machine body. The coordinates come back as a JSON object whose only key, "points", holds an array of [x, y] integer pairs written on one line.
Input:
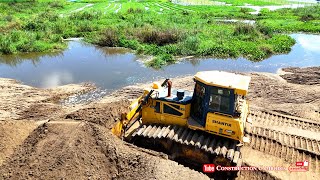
{"points": [[160, 109], [199, 127], [150, 115], [216, 123]]}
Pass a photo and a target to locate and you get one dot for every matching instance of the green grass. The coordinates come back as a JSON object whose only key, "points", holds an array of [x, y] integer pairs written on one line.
{"points": [[291, 20], [256, 2], [158, 28], [178, 34], [14, 1]]}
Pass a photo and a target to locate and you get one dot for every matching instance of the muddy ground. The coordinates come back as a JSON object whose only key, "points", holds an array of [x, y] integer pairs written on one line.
{"points": [[44, 139]]}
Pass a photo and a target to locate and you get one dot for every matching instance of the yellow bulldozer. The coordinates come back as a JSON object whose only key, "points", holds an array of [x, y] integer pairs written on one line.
{"points": [[193, 128]]}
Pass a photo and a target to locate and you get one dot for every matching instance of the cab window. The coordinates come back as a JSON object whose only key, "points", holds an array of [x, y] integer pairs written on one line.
{"points": [[169, 110], [220, 99], [198, 97]]}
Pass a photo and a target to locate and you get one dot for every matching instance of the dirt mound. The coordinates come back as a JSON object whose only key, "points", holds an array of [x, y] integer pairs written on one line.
{"points": [[308, 76], [55, 151], [12, 134], [104, 114], [280, 92], [272, 92], [62, 150]]}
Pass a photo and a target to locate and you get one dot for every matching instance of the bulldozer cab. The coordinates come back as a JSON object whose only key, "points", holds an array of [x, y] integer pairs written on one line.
{"points": [[211, 99], [217, 92]]}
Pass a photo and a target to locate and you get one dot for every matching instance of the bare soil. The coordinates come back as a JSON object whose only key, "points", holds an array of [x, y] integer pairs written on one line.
{"points": [[308, 76], [43, 139], [272, 92]]}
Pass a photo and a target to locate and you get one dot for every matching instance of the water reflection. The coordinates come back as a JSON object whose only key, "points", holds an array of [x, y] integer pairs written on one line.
{"points": [[54, 79], [107, 51], [35, 58], [113, 68], [311, 43], [194, 61]]}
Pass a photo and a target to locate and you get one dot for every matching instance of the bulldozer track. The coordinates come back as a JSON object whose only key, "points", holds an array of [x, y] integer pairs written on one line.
{"points": [[212, 144], [288, 147], [311, 146], [276, 119]]}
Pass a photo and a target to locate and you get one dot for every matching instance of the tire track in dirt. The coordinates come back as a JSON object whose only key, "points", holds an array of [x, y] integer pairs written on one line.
{"points": [[256, 158], [287, 147], [288, 153], [287, 138], [310, 146], [276, 119]]}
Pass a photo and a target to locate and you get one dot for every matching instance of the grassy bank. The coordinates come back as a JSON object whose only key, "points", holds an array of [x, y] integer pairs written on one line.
{"points": [[291, 20], [157, 28], [189, 35], [256, 2]]}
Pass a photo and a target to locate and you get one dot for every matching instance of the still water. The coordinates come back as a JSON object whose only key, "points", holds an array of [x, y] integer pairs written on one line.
{"points": [[111, 68]]}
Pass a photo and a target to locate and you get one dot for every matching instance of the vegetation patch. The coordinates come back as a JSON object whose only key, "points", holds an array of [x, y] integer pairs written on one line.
{"points": [[291, 20], [158, 28], [255, 2]]}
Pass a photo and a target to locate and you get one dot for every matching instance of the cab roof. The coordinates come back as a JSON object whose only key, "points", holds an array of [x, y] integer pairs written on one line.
{"points": [[239, 83]]}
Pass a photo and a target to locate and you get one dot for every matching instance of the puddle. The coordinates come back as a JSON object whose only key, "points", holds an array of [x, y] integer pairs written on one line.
{"points": [[273, 8]]}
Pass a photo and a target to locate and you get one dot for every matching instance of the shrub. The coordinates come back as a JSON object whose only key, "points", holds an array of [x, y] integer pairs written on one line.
{"points": [[158, 37], [86, 26], [31, 26], [14, 25], [132, 44], [172, 49], [152, 50], [244, 10], [6, 47], [266, 30], [191, 43], [281, 43], [56, 4], [40, 46], [47, 15], [85, 15], [8, 18], [186, 13], [243, 29], [161, 60], [109, 37], [134, 11], [307, 17], [267, 49]]}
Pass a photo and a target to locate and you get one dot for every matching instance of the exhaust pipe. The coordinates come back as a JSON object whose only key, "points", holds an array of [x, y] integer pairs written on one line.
{"points": [[169, 85]]}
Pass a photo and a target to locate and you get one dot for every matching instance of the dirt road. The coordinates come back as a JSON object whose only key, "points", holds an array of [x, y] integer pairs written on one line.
{"points": [[43, 139]]}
